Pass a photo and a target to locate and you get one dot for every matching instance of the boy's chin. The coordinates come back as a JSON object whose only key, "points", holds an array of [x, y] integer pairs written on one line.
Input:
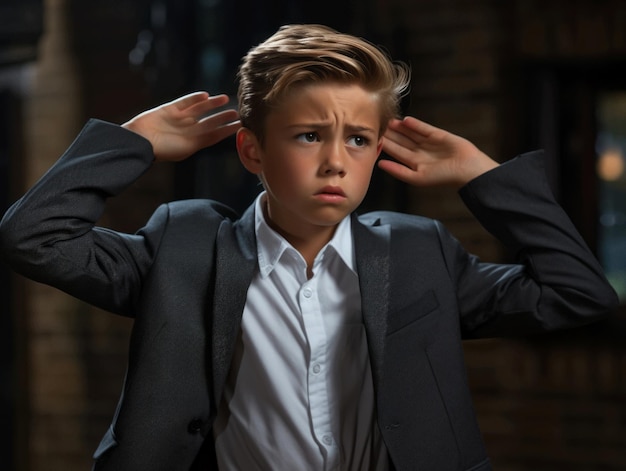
{"points": [[333, 220]]}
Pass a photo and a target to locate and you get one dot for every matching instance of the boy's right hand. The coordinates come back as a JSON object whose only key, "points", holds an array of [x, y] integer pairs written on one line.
{"points": [[182, 127]]}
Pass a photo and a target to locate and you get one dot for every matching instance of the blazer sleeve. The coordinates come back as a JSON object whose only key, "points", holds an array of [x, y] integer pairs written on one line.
{"points": [[557, 282], [49, 235]]}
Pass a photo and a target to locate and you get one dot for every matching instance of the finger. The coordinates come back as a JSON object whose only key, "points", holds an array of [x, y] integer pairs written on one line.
{"points": [[422, 128], [218, 134], [218, 119], [399, 152], [400, 139], [399, 171], [206, 106], [191, 99], [414, 129]]}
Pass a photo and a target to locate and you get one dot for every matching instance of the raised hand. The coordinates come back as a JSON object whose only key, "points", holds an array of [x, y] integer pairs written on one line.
{"points": [[429, 156], [182, 127]]}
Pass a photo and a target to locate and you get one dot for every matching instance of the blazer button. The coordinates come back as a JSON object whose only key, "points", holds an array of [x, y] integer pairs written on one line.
{"points": [[392, 426], [195, 426]]}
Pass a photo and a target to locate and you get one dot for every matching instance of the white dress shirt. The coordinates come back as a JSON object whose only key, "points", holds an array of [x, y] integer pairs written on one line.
{"points": [[299, 395]]}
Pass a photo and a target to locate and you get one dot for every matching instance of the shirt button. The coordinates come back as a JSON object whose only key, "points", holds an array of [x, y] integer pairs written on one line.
{"points": [[317, 368], [307, 292], [327, 439]]}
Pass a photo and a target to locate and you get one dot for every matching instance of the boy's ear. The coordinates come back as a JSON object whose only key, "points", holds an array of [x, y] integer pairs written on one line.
{"points": [[249, 150], [379, 146]]}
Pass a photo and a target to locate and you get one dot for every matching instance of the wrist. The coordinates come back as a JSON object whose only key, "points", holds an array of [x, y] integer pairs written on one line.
{"points": [[477, 167]]}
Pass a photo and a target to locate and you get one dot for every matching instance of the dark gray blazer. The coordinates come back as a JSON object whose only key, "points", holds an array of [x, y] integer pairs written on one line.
{"points": [[184, 277]]}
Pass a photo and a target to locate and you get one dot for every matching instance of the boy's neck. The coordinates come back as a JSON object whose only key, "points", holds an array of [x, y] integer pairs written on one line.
{"points": [[307, 244]]}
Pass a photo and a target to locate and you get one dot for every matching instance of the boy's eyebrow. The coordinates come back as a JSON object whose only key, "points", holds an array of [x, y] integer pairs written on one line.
{"points": [[356, 128], [322, 125]]}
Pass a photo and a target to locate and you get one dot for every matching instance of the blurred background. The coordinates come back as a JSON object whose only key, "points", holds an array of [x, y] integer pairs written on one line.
{"points": [[509, 75]]}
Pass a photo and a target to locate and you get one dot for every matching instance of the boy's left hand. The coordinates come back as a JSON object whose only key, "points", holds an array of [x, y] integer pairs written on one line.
{"points": [[429, 156]]}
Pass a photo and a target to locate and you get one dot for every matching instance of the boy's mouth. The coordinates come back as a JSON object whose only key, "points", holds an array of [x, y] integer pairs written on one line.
{"points": [[331, 194], [331, 190]]}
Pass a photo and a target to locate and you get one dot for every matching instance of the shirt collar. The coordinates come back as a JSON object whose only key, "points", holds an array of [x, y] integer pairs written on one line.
{"points": [[271, 245]]}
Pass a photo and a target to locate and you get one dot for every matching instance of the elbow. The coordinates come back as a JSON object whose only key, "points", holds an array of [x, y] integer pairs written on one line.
{"points": [[605, 296], [17, 248], [570, 308], [610, 300], [600, 304], [8, 242]]}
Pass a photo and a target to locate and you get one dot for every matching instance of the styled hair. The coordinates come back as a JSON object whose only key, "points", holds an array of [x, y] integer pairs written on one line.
{"points": [[298, 55]]}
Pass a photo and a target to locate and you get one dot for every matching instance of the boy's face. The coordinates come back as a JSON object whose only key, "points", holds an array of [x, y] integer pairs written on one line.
{"points": [[319, 150]]}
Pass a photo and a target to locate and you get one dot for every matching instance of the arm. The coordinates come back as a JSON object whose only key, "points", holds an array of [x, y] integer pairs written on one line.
{"points": [[558, 282], [49, 235]]}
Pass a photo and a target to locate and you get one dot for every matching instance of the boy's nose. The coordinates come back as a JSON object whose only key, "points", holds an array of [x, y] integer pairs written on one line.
{"points": [[334, 163], [334, 170]]}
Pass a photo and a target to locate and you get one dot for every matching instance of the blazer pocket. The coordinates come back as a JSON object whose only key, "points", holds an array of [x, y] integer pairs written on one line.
{"points": [[413, 312]]}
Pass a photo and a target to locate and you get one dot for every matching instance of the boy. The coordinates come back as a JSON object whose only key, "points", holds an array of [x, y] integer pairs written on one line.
{"points": [[301, 336]]}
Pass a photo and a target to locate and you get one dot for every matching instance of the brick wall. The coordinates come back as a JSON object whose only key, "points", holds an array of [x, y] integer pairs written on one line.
{"points": [[56, 389], [551, 405]]}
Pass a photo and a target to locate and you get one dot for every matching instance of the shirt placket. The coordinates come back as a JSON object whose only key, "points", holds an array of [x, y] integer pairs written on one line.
{"points": [[317, 377]]}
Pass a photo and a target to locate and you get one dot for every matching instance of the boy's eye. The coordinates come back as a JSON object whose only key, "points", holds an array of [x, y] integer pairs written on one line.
{"points": [[358, 141], [308, 137]]}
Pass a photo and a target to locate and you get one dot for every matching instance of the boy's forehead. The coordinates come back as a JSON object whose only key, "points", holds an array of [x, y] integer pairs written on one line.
{"points": [[324, 100]]}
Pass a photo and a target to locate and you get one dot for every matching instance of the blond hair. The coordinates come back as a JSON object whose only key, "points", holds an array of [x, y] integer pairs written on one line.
{"points": [[299, 55]]}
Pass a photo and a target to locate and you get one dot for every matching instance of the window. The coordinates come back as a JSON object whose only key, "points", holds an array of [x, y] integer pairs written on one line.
{"points": [[577, 112], [611, 173]]}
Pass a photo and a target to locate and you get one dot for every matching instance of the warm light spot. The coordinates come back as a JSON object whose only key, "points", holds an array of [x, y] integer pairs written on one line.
{"points": [[611, 165]]}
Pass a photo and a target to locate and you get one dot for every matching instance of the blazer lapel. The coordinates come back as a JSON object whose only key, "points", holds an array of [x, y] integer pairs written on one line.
{"points": [[235, 263], [371, 245]]}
